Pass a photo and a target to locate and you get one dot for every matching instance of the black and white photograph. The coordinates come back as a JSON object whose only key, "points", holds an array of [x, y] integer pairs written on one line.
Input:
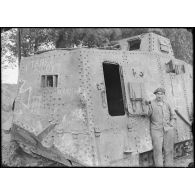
{"points": [[97, 97]]}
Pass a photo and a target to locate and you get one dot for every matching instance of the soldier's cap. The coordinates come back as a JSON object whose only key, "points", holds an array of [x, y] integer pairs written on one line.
{"points": [[159, 90]]}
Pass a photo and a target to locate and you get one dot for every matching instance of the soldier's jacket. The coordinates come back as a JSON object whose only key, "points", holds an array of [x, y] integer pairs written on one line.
{"points": [[161, 115]]}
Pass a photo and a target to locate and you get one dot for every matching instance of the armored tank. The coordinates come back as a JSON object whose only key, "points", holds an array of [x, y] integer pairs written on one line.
{"points": [[85, 106]]}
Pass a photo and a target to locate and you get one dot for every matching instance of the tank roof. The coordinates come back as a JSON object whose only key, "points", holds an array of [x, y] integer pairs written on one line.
{"points": [[58, 49], [153, 38]]}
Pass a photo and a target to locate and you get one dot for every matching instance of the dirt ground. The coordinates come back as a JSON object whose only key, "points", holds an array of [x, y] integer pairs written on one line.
{"points": [[9, 159]]}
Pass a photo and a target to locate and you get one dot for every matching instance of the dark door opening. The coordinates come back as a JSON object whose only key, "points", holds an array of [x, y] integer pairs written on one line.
{"points": [[113, 89]]}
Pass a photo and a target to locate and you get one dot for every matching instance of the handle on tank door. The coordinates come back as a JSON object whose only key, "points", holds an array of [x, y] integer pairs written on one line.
{"points": [[100, 87], [103, 95]]}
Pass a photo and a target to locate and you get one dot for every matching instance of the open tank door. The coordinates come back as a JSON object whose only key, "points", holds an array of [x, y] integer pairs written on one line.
{"points": [[108, 108], [136, 82], [135, 93]]}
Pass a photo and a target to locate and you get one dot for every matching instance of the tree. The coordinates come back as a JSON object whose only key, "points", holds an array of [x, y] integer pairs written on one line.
{"points": [[8, 48], [181, 41], [36, 39]]}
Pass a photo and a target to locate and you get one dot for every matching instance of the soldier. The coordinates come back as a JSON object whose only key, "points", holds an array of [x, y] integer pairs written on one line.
{"points": [[162, 119]]}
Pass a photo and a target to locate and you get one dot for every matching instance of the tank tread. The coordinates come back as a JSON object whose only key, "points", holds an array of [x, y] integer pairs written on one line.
{"points": [[181, 150]]}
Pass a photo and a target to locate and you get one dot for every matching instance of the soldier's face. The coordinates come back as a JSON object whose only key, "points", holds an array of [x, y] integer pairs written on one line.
{"points": [[159, 96]]}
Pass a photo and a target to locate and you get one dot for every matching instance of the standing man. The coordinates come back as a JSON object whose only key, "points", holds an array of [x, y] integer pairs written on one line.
{"points": [[162, 119]]}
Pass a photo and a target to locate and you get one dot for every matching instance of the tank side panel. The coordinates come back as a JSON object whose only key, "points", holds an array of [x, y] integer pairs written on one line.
{"points": [[38, 107], [27, 113], [114, 136], [74, 137], [98, 116], [175, 85], [109, 130]]}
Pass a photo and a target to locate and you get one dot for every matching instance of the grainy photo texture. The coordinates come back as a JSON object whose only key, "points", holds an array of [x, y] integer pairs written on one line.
{"points": [[96, 97]]}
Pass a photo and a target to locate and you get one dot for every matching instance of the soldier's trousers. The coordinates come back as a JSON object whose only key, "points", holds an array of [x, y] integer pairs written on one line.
{"points": [[162, 140]]}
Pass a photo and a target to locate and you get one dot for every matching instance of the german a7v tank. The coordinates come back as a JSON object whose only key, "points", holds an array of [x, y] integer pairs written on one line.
{"points": [[85, 107]]}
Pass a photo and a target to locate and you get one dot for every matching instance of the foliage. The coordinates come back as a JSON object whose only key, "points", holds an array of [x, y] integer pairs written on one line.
{"points": [[181, 41], [90, 37], [8, 49], [36, 39]]}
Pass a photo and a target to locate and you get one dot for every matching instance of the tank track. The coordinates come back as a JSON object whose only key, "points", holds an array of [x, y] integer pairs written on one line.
{"points": [[181, 150]]}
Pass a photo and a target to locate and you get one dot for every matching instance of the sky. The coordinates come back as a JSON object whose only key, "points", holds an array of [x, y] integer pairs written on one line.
{"points": [[9, 75]]}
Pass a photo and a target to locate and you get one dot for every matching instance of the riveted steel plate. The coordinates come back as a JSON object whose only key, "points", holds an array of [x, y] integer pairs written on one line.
{"points": [[65, 104], [79, 108]]}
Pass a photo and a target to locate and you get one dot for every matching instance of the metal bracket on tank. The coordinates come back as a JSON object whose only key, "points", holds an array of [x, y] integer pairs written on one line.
{"points": [[127, 149], [101, 88], [97, 140], [97, 132]]}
